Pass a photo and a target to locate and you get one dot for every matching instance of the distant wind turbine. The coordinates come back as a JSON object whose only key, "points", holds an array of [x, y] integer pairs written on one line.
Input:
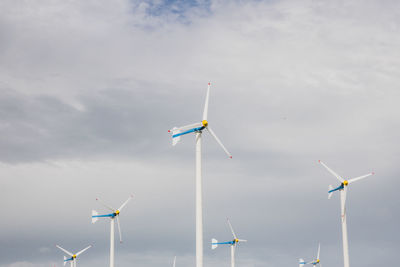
{"points": [[314, 262], [233, 243], [114, 215], [342, 188], [198, 128], [72, 255]]}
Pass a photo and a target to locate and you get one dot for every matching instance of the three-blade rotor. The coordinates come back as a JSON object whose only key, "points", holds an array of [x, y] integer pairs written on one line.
{"points": [[73, 256], [234, 242], [177, 132], [115, 214]]}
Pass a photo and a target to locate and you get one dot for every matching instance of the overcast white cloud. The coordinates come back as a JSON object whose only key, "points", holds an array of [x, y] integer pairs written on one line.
{"points": [[88, 90]]}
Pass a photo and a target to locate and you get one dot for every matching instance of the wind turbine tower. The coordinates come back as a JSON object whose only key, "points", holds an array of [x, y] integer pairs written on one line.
{"points": [[342, 188], [198, 129], [233, 243], [114, 215]]}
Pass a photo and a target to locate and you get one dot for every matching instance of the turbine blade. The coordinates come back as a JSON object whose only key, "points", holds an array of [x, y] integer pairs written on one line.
{"points": [[242, 240], [359, 178], [123, 205], [105, 205], [119, 230], [230, 226], [218, 141], [186, 127], [83, 250], [205, 112], [319, 249], [66, 251], [332, 172], [173, 265]]}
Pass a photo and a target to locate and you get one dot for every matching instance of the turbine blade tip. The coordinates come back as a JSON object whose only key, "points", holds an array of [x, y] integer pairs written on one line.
{"points": [[230, 157], [209, 83], [319, 161], [373, 173]]}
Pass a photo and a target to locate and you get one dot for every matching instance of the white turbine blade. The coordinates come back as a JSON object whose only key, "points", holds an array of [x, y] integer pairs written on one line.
{"points": [[332, 172], [218, 141], [186, 127], [359, 178], [214, 244], [242, 240], [123, 205], [173, 265], [119, 230], [66, 251], [83, 250], [205, 112], [230, 226], [319, 248], [94, 213], [105, 205]]}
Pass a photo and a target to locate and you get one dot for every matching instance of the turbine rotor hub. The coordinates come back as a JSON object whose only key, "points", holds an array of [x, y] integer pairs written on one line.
{"points": [[205, 123], [345, 182], [117, 212], [236, 240], [74, 256]]}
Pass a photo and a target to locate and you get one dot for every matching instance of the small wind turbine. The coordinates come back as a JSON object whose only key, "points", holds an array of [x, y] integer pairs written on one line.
{"points": [[73, 256], [233, 243], [198, 128], [342, 188], [313, 262], [114, 215]]}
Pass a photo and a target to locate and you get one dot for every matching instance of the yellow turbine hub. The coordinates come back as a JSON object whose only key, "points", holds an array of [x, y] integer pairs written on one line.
{"points": [[345, 182], [117, 212], [205, 123], [74, 256], [236, 240], [317, 260]]}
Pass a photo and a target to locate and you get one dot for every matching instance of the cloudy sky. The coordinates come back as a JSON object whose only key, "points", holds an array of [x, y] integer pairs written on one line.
{"points": [[88, 90]]}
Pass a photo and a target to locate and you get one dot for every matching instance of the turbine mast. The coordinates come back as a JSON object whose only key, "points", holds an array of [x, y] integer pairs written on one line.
{"points": [[344, 229], [233, 255], [199, 204], [112, 243]]}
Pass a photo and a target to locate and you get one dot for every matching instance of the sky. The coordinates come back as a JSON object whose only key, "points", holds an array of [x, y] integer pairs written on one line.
{"points": [[89, 89]]}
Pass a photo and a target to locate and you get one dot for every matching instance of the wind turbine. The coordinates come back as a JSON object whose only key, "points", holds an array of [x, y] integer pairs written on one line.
{"points": [[233, 243], [114, 215], [73, 256], [314, 262], [342, 188], [198, 128]]}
